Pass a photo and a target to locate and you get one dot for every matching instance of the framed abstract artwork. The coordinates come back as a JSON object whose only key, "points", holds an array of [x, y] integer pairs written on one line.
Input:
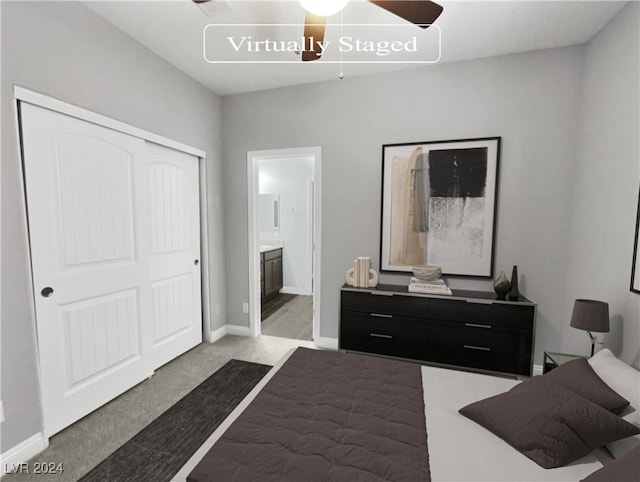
{"points": [[635, 265], [439, 205]]}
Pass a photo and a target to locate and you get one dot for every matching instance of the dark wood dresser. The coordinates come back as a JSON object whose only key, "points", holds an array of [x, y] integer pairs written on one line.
{"points": [[470, 330]]}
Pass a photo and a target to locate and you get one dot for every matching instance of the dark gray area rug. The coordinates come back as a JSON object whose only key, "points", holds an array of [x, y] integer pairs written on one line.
{"points": [[158, 451]]}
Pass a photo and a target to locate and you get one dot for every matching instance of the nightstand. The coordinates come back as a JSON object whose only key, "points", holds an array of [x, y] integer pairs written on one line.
{"points": [[553, 360]]}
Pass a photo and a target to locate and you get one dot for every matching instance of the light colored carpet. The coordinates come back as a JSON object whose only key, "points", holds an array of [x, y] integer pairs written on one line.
{"points": [[86, 443]]}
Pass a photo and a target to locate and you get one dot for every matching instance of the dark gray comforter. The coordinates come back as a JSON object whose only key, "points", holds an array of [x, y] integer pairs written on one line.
{"points": [[327, 416]]}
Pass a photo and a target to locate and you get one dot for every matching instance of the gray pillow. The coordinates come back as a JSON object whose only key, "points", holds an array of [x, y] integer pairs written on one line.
{"points": [[547, 422], [579, 377]]}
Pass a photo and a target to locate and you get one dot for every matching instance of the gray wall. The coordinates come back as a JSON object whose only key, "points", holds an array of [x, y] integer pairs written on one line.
{"points": [[606, 187], [569, 170], [63, 50], [532, 100]]}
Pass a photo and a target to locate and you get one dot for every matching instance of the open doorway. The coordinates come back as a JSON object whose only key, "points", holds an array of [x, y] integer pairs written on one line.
{"points": [[284, 249]]}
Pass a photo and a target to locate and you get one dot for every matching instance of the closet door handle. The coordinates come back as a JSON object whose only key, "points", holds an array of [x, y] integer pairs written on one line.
{"points": [[46, 292]]}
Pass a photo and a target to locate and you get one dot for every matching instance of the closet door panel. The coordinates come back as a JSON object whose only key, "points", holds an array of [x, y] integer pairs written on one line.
{"points": [[175, 252], [114, 227], [86, 199]]}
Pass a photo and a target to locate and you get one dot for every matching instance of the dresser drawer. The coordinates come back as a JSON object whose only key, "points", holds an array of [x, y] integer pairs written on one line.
{"points": [[493, 314], [384, 304], [481, 336], [469, 330], [393, 336], [472, 357]]}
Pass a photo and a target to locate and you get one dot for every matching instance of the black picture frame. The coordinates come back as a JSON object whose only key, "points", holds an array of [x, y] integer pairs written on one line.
{"points": [[439, 206], [635, 264]]}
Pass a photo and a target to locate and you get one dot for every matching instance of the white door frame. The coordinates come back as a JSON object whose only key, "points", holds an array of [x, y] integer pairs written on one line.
{"points": [[253, 158], [28, 96]]}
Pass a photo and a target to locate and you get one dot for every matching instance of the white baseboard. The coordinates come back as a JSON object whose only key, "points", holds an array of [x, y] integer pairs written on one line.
{"points": [[215, 335], [537, 370], [13, 458], [238, 330], [327, 343]]}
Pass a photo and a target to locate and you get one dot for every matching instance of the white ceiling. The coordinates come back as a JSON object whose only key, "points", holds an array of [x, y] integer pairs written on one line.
{"points": [[173, 29]]}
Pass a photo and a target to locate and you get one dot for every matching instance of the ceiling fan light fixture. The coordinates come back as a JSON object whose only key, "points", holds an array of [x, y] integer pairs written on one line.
{"points": [[212, 8], [323, 8]]}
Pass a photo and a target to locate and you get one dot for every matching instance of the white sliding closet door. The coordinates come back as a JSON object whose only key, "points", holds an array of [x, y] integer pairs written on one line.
{"points": [[107, 294], [175, 252]]}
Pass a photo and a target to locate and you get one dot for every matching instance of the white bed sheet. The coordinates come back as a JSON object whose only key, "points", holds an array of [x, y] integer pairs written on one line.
{"points": [[459, 449]]}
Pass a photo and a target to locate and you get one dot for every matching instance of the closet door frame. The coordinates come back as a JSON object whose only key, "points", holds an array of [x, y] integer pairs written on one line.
{"points": [[30, 97]]}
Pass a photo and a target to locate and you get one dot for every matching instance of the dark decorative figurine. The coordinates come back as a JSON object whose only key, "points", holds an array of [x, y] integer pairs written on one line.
{"points": [[514, 293], [501, 286]]}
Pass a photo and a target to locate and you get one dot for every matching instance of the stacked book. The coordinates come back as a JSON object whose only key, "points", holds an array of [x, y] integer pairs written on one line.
{"points": [[433, 287]]}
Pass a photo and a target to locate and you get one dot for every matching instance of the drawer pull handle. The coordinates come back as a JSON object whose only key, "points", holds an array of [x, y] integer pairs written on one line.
{"points": [[480, 302], [381, 315], [381, 293], [477, 325], [473, 347], [378, 335]]}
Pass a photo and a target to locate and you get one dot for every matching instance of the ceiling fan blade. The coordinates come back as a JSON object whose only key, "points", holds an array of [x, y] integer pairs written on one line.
{"points": [[313, 34], [421, 12]]}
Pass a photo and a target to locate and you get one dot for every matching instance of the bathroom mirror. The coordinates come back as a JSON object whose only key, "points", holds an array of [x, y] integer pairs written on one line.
{"points": [[269, 212]]}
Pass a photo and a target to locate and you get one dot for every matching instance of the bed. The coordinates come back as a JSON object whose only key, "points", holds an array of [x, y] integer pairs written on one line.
{"points": [[395, 421]]}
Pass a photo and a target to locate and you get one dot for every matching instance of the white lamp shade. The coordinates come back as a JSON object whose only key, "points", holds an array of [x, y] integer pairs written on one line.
{"points": [[323, 8]]}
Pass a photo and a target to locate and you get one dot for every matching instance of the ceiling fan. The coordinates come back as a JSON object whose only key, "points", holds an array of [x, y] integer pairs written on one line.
{"points": [[419, 12]]}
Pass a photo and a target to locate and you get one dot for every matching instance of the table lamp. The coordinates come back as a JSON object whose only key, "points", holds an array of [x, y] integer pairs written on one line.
{"points": [[590, 315]]}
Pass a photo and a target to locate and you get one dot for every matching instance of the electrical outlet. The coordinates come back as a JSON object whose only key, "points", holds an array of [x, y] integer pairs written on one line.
{"points": [[245, 307]]}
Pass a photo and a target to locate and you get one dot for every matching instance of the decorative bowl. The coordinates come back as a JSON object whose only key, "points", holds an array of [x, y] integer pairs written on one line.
{"points": [[427, 273]]}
